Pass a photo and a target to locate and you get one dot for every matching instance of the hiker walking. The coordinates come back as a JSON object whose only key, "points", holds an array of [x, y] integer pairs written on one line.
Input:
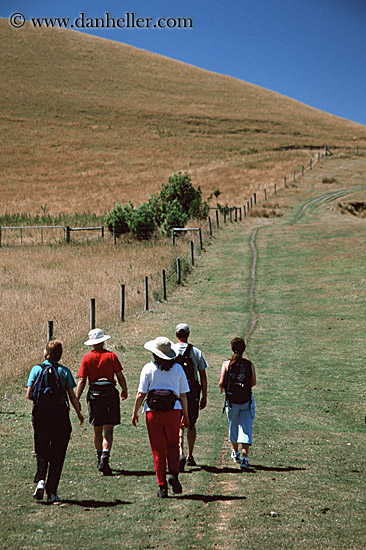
{"points": [[164, 383], [49, 386], [237, 379], [100, 367], [194, 365]]}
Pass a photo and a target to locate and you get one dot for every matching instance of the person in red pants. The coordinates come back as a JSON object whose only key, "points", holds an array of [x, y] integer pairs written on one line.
{"points": [[165, 384]]}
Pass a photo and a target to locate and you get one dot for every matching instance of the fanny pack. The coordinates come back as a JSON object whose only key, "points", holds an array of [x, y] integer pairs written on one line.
{"points": [[101, 388], [161, 400]]}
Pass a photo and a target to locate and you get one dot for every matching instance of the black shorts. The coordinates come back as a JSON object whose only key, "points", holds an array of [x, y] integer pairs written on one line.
{"points": [[193, 400], [103, 404]]}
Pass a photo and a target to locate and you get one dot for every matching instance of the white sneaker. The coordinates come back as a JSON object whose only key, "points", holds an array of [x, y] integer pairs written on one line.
{"points": [[38, 493], [235, 456], [52, 499]]}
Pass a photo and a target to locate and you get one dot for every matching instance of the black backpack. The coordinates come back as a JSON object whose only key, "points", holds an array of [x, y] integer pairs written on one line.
{"points": [[186, 362], [47, 390], [238, 382]]}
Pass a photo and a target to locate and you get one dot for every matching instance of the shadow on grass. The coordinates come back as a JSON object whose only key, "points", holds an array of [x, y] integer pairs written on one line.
{"points": [[210, 498], [252, 469], [136, 473], [94, 503]]}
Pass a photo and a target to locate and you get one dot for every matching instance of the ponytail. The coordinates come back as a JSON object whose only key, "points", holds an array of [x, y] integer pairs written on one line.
{"points": [[238, 347]]}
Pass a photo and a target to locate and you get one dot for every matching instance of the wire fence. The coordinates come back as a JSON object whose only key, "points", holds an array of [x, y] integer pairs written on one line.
{"points": [[24, 347]]}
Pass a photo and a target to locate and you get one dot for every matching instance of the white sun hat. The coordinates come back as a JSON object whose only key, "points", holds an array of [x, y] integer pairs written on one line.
{"points": [[96, 336], [162, 347]]}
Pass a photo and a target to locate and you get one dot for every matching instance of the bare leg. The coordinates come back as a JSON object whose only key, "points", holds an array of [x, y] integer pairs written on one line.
{"points": [[108, 437], [245, 449]]}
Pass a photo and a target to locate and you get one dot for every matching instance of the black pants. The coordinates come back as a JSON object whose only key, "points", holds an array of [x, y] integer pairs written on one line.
{"points": [[52, 430]]}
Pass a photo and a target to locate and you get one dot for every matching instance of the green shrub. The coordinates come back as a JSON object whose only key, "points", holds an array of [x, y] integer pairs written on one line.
{"points": [[142, 223], [119, 218], [175, 216]]}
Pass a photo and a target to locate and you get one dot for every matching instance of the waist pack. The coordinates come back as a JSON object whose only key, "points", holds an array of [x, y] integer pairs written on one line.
{"points": [[101, 389], [161, 400]]}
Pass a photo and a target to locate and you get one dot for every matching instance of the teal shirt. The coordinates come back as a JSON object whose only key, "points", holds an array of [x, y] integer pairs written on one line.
{"points": [[64, 373]]}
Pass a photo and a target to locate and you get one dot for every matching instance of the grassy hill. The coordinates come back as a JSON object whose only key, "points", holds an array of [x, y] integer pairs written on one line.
{"points": [[86, 122]]}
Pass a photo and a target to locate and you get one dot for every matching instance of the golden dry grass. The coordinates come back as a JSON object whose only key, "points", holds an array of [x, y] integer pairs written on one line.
{"points": [[86, 122]]}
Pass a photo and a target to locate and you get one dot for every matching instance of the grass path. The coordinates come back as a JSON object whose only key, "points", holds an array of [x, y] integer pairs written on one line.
{"points": [[304, 285]]}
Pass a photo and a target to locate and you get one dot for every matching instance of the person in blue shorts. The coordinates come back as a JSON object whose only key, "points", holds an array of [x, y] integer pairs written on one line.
{"points": [[237, 380]]}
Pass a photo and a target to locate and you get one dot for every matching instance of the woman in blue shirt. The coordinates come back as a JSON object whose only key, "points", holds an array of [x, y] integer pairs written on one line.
{"points": [[51, 424]]}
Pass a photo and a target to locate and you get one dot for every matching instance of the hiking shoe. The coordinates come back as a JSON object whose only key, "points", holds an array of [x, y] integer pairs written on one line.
{"points": [[236, 457], [244, 465], [107, 470], [103, 465], [38, 493], [182, 463], [191, 461], [53, 499], [175, 484], [163, 491]]}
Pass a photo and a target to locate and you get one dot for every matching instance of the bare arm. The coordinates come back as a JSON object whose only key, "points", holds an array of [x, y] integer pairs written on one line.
{"points": [[122, 382], [28, 392], [222, 377], [80, 387], [75, 403], [138, 402], [203, 379], [184, 403]]}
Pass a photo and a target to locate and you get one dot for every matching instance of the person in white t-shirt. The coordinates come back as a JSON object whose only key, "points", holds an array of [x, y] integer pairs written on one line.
{"points": [[195, 402], [164, 383]]}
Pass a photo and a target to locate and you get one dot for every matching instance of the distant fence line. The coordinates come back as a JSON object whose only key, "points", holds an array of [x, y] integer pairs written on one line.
{"points": [[24, 343], [238, 211]]}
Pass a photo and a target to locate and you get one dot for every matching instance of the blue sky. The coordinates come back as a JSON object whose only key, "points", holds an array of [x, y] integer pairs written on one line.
{"points": [[313, 51]]}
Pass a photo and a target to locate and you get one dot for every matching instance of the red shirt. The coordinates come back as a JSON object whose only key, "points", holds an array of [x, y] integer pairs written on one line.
{"points": [[99, 364]]}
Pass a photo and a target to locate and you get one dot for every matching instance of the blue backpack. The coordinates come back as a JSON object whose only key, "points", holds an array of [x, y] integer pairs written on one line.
{"points": [[47, 389]]}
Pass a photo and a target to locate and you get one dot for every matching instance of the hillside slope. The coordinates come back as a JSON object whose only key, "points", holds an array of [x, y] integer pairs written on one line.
{"points": [[86, 122]]}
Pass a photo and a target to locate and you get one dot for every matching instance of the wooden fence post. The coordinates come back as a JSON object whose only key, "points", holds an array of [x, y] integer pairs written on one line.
{"points": [[302, 170], [275, 189], [240, 215], [173, 237], [92, 313], [294, 178], [230, 214], [163, 281], [201, 242], [179, 272], [146, 293], [49, 331], [210, 226], [225, 215], [265, 194], [255, 198], [192, 252], [123, 301], [217, 219], [244, 211], [311, 164], [284, 180], [68, 233]]}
